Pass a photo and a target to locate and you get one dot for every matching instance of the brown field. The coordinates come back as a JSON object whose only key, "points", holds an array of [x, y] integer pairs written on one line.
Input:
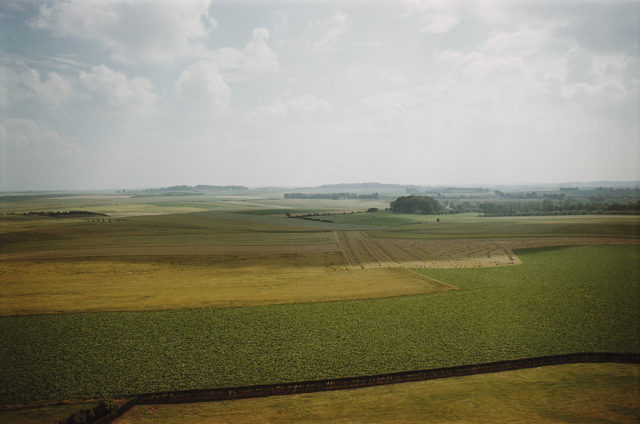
{"points": [[171, 251], [578, 393], [362, 251], [359, 250]]}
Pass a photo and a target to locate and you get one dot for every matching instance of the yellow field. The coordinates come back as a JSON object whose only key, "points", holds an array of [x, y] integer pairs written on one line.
{"points": [[556, 394], [195, 281]]}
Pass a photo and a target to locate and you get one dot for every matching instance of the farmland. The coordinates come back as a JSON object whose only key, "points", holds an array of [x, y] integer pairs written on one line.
{"points": [[171, 294], [557, 301]]}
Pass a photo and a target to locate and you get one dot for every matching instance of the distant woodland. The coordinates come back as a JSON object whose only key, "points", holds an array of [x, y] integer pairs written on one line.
{"points": [[550, 207], [332, 196]]}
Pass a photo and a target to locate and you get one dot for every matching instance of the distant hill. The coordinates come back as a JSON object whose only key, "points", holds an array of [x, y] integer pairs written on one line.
{"points": [[208, 187], [360, 188], [183, 190]]}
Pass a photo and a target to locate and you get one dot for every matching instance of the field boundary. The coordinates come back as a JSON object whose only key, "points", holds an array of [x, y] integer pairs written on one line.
{"points": [[345, 383]]}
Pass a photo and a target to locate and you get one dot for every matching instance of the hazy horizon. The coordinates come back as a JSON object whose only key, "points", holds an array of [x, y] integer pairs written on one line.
{"points": [[130, 94], [527, 186]]}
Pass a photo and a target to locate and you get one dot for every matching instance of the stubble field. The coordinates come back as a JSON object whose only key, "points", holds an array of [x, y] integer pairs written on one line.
{"points": [[580, 393]]}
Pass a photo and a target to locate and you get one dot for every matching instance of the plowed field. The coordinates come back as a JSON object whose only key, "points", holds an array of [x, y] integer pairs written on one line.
{"points": [[362, 251]]}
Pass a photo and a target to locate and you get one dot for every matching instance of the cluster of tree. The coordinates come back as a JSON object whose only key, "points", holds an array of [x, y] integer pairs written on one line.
{"points": [[454, 206], [332, 196], [530, 195], [59, 214], [416, 204], [550, 207]]}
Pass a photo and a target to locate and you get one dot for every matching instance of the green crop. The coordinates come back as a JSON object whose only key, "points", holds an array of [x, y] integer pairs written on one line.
{"points": [[560, 300]]}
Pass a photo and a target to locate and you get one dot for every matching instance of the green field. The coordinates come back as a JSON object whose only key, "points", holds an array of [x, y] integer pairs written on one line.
{"points": [[577, 393], [559, 300]]}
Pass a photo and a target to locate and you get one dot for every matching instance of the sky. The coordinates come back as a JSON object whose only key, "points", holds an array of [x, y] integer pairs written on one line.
{"points": [[98, 94]]}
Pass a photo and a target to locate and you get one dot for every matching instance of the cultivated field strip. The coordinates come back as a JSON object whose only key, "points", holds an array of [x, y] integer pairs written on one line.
{"points": [[172, 250], [362, 251], [343, 244]]}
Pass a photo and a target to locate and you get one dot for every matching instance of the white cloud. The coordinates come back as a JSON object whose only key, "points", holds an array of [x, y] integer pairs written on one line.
{"points": [[306, 104], [276, 110], [101, 88], [331, 32], [36, 157], [132, 31], [522, 41], [520, 88], [255, 58], [52, 91], [436, 16], [392, 76], [104, 86], [202, 89], [27, 134], [533, 64]]}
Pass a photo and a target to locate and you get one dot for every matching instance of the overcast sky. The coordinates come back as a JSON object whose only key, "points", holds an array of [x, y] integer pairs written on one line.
{"points": [[127, 93]]}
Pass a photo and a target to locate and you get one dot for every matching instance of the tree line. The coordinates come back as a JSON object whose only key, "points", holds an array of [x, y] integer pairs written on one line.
{"points": [[550, 207], [332, 196], [58, 214]]}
